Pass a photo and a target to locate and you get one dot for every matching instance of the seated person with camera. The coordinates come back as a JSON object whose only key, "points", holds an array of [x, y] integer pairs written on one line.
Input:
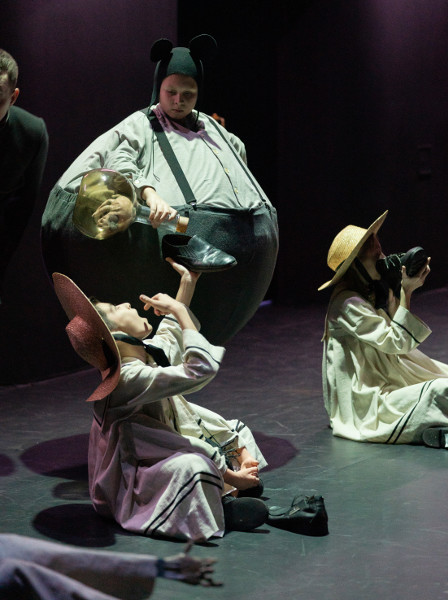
{"points": [[378, 387]]}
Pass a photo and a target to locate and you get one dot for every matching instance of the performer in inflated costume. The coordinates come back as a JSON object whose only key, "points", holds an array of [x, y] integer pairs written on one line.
{"points": [[180, 161]]}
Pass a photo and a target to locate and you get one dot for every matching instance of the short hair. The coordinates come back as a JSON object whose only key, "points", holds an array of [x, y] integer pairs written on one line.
{"points": [[110, 324], [9, 66]]}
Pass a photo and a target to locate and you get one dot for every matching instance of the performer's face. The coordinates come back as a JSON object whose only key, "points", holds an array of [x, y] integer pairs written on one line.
{"points": [[178, 95], [7, 96], [126, 319], [372, 249]]}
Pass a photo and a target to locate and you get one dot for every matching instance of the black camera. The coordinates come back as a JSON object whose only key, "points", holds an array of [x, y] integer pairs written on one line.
{"points": [[390, 267]]}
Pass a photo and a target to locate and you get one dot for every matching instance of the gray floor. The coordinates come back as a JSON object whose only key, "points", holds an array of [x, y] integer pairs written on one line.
{"points": [[387, 505]]}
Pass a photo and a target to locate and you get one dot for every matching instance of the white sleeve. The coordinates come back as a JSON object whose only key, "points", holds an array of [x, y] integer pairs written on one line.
{"points": [[169, 337], [353, 315], [132, 155], [143, 384], [124, 148]]}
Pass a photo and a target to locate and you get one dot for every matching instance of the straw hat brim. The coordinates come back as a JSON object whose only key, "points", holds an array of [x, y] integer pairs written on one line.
{"points": [[89, 335], [343, 268]]}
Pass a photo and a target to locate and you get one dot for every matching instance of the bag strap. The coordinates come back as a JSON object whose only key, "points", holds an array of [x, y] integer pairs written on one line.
{"points": [[171, 158]]}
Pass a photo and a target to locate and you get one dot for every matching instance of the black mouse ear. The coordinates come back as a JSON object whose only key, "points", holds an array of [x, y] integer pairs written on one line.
{"points": [[160, 49], [203, 47]]}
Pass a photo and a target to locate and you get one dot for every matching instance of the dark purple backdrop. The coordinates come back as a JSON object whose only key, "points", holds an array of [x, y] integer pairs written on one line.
{"points": [[362, 127], [342, 105], [83, 66]]}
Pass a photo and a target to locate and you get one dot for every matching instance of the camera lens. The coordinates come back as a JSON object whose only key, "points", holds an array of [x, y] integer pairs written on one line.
{"points": [[414, 260]]}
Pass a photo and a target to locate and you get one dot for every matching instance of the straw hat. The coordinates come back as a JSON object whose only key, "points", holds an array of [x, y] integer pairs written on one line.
{"points": [[89, 335], [345, 248]]}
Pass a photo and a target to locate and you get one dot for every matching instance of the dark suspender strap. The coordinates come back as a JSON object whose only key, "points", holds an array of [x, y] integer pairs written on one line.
{"points": [[237, 156], [171, 159]]}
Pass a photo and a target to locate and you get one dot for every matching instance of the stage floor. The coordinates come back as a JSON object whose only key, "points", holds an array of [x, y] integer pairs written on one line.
{"points": [[387, 505]]}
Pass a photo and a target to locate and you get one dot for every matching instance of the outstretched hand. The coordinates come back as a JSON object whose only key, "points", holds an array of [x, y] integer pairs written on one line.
{"points": [[160, 211], [184, 273], [163, 304], [195, 571]]}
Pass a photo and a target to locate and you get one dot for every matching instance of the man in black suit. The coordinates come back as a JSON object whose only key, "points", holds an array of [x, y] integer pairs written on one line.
{"points": [[23, 154]]}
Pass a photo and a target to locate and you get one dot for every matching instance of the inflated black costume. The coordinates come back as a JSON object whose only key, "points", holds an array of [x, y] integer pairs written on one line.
{"points": [[122, 267]]}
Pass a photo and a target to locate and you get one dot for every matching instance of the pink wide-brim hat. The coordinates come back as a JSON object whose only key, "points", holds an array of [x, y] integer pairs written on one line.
{"points": [[346, 246], [89, 335]]}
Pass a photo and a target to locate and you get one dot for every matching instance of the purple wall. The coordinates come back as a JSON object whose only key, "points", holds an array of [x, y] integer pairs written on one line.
{"points": [[363, 109], [84, 65]]}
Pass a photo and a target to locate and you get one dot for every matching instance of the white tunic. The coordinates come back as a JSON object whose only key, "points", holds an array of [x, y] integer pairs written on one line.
{"points": [[217, 176], [378, 386], [156, 461]]}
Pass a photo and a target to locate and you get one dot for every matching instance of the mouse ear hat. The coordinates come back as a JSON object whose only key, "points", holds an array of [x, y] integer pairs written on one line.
{"points": [[183, 61]]}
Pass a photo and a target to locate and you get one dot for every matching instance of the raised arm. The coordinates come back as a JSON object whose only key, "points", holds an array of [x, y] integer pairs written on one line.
{"points": [[353, 315], [165, 305], [187, 286], [410, 284]]}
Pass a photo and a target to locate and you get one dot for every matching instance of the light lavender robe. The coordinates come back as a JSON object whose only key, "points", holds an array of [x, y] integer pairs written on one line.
{"points": [[150, 464]]}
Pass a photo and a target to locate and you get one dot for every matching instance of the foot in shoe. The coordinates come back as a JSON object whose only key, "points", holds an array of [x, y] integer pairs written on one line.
{"points": [[243, 514], [436, 437], [254, 492]]}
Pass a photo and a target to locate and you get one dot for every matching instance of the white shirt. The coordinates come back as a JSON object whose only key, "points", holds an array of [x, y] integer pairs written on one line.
{"points": [[216, 175]]}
